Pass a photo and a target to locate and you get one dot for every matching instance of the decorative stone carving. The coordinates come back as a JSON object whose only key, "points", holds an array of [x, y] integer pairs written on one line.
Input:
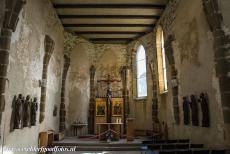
{"points": [[33, 112], [62, 106], [49, 47]]}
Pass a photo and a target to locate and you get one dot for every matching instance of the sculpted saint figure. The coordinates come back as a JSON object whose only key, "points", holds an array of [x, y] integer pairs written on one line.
{"points": [[18, 111], [26, 111], [33, 111]]}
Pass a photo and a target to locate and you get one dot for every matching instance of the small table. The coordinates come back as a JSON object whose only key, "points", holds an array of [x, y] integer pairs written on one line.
{"points": [[104, 128], [76, 127]]}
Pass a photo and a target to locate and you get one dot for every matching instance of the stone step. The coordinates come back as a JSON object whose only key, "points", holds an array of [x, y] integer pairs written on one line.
{"points": [[193, 151], [107, 148], [168, 141], [175, 146]]}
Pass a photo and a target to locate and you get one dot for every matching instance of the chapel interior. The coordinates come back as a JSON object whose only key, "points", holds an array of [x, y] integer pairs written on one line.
{"points": [[115, 76]]}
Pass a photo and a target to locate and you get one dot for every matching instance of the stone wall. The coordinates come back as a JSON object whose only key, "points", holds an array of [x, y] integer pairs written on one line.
{"points": [[193, 53], [2, 6], [224, 6], [106, 58], [25, 70], [141, 109], [194, 59]]}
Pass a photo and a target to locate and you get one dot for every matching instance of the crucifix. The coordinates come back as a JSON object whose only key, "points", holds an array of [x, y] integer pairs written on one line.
{"points": [[109, 80]]}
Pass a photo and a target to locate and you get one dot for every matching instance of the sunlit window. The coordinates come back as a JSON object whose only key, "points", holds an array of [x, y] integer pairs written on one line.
{"points": [[141, 72], [162, 71]]}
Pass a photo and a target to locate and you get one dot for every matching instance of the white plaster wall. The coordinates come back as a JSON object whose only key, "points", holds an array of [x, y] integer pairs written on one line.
{"points": [[25, 70], [78, 85]]}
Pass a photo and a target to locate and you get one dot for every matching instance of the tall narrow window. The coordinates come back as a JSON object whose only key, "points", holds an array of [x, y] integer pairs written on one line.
{"points": [[162, 72], [141, 72]]}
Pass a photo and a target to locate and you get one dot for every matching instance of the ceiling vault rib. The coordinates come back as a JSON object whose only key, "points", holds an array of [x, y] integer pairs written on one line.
{"points": [[112, 16], [108, 25], [123, 6]]}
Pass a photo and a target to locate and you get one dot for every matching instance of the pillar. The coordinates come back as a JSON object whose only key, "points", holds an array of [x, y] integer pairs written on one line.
{"points": [[49, 47], [11, 17], [62, 106]]}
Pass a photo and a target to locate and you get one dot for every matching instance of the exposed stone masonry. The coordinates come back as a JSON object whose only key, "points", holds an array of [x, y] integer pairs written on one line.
{"points": [[222, 49], [49, 47], [12, 10], [63, 89], [169, 54]]}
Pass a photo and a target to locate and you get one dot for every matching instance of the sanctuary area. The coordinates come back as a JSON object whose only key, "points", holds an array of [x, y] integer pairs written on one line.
{"points": [[115, 76]]}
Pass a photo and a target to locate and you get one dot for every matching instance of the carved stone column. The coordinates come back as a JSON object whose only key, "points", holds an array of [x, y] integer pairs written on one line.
{"points": [[125, 93], [92, 101], [222, 52], [49, 47], [62, 106], [12, 10], [174, 78]]}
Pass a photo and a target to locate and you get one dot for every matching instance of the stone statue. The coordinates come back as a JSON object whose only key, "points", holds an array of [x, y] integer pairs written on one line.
{"points": [[33, 111], [205, 110], [26, 111], [194, 109], [186, 111], [18, 111]]}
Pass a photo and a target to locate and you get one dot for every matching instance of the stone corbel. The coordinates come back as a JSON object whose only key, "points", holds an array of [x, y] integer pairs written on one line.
{"points": [[49, 47]]}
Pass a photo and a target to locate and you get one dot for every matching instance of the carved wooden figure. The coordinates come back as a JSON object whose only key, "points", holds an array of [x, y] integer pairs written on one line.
{"points": [[186, 110], [26, 112], [194, 109], [18, 111], [205, 110], [33, 112]]}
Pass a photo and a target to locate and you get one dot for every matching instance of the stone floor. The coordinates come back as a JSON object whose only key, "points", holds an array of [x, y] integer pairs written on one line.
{"points": [[109, 152], [74, 141]]}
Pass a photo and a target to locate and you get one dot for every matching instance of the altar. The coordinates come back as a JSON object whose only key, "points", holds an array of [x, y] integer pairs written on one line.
{"points": [[109, 113], [109, 131]]}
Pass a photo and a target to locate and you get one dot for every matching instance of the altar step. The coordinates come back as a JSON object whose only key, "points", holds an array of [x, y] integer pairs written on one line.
{"points": [[161, 148]]}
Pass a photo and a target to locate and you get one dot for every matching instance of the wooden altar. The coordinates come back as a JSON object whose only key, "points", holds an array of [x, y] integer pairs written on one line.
{"points": [[117, 116], [109, 115], [113, 129]]}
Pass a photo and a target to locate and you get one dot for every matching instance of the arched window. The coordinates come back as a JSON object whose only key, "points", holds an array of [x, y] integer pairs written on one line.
{"points": [[161, 61], [141, 72]]}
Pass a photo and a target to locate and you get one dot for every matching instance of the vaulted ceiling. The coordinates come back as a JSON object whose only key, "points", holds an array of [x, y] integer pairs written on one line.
{"points": [[109, 21]]}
